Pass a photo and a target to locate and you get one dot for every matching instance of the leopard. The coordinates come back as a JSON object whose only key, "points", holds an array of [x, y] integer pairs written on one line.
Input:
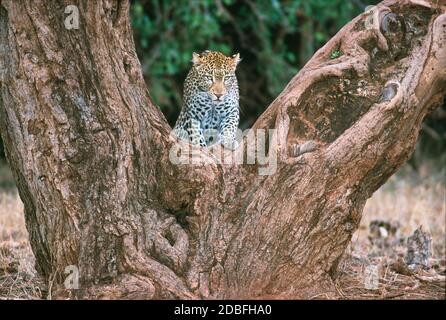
{"points": [[210, 112]]}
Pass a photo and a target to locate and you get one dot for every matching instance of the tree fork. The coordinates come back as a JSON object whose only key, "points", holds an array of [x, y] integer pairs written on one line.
{"points": [[90, 154]]}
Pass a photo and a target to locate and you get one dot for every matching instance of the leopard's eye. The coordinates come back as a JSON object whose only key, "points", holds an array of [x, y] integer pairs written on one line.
{"points": [[205, 83]]}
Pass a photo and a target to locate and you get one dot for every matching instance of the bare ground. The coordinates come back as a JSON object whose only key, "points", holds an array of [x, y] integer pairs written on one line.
{"points": [[408, 200]]}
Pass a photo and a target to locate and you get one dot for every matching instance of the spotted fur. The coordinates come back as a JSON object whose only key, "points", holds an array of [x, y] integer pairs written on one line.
{"points": [[210, 112]]}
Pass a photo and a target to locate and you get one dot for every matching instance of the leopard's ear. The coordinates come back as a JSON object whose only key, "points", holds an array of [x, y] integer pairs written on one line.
{"points": [[196, 59], [236, 59]]}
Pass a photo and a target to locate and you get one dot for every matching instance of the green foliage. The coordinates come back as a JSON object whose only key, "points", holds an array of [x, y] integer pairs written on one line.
{"points": [[335, 54], [275, 38]]}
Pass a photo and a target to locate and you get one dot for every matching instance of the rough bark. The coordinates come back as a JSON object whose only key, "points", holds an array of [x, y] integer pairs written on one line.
{"points": [[90, 155]]}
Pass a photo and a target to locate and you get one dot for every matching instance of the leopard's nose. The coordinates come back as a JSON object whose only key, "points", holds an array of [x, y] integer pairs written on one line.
{"points": [[218, 95]]}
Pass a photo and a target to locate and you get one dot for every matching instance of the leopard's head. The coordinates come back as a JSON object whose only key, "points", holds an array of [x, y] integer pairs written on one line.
{"points": [[215, 73]]}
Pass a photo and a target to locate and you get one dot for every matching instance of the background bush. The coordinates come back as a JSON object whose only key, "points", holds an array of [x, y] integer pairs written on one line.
{"points": [[274, 38]]}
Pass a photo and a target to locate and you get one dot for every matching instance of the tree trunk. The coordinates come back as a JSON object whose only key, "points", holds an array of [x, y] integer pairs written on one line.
{"points": [[92, 155]]}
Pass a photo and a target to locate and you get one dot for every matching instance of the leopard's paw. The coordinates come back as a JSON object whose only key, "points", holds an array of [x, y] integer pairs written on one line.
{"points": [[231, 145]]}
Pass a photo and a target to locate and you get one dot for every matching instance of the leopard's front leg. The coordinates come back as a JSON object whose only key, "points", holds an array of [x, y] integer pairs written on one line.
{"points": [[228, 130], [196, 133]]}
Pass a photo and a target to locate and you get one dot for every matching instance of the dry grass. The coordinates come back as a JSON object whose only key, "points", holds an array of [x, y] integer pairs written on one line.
{"points": [[411, 198], [392, 284], [18, 278]]}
